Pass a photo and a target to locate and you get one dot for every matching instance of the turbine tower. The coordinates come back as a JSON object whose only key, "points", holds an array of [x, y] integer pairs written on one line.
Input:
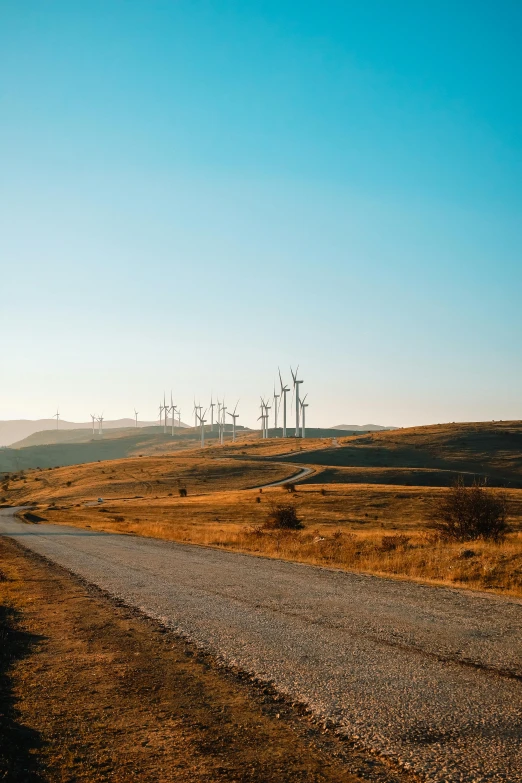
{"points": [[100, 425], [284, 392], [93, 417], [224, 413], [202, 421], [267, 408], [276, 409], [136, 417], [57, 417], [304, 406], [160, 413], [297, 405], [166, 411], [212, 406], [234, 416]]}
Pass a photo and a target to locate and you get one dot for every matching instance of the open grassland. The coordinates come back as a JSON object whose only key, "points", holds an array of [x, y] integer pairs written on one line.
{"points": [[147, 477], [366, 506], [487, 449], [375, 529]]}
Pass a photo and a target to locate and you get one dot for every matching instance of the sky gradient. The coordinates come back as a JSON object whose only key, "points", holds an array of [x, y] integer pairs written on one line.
{"points": [[193, 193]]}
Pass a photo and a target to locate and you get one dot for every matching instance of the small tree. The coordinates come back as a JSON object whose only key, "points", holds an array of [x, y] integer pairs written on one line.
{"points": [[470, 513], [283, 516]]}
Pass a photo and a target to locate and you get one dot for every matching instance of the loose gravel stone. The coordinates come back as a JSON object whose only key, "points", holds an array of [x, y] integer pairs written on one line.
{"points": [[428, 677]]}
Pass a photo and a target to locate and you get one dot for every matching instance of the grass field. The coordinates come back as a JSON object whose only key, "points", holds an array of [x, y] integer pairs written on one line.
{"points": [[366, 517]]}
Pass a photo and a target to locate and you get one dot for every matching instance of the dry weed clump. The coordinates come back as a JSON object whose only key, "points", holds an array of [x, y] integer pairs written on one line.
{"points": [[470, 513], [283, 516]]}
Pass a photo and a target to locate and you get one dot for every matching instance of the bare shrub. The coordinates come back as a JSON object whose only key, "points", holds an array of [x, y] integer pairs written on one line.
{"points": [[183, 492], [290, 487], [470, 513], [391, 543], [283, 516]]}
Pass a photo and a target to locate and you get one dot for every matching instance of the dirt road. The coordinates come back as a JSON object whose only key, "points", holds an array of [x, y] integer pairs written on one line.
{"points": [[428, 677]]}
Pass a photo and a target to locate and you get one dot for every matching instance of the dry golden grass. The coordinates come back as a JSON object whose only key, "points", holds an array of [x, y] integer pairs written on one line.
{"points": [[370, 528], [489, 449], [148, 477]]}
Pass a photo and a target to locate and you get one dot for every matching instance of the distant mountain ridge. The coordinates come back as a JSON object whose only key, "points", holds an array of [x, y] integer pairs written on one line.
{"points": [[362, 427], [14, 430]]}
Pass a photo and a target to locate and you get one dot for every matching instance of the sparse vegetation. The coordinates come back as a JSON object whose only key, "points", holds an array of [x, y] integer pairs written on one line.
{"points": [[283, 516], [471, 513]]}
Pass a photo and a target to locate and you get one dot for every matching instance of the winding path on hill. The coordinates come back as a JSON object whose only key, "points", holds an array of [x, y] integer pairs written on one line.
{"points": [[430, 678]]}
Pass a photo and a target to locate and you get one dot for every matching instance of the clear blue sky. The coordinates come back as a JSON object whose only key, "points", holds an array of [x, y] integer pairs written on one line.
{"points": [[192, 193]]}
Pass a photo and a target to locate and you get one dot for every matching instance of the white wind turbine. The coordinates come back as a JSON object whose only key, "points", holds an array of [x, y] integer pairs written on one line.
{"points": [[234, 416], [93, 417], [212, 406], [202, 421], [267, 408], [57, 417], [297, 405], [284, 391], [100, 425], [276, 409], [304, 406], [160, 413], [166, 412], [136, 417], [262, 417], [224, 414]]}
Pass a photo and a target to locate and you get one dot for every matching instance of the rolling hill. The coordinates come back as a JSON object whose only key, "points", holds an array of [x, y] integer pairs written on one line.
{"points": [[18, 429], [489, 449]]}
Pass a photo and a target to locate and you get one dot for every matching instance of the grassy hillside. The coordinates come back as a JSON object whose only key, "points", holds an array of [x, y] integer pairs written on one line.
{"points": [[355, 514], [491, 449], [139, 477], [116, 444]]}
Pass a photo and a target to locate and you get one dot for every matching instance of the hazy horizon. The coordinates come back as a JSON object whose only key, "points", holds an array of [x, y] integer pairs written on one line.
{"points": [[193, 194]]}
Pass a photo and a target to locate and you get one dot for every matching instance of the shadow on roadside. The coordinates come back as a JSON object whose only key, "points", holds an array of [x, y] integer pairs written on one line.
{"points": [[18, 743]]}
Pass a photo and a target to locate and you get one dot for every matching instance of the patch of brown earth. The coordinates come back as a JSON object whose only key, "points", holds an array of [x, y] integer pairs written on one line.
{"points": [[90, 692]]}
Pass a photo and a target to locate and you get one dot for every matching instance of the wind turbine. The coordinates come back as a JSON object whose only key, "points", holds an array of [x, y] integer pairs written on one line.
{"points": [[224, 413], [234, 416], [212, 406], [296, 388], [267, 408], [276, 408], [284, 392], [304, 406], [202, 421], [93, 417], [160, 413], [197, 411], [57, 417], [100, 425], [136, 417], [166, 411]]}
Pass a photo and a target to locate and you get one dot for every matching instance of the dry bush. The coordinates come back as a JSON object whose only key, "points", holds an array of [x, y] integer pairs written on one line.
{"points": [[283, 516], [470, 513], [391, 543]]}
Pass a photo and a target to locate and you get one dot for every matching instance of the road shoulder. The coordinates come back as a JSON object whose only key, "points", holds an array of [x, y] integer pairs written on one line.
{"points": [[93, 692]]}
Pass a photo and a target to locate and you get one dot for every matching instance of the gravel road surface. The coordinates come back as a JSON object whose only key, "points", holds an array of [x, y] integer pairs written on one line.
{"points": [[429, 677]]}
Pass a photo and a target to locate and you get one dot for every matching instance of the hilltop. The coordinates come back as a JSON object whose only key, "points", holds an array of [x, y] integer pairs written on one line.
{"points": [[362, 427]]}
